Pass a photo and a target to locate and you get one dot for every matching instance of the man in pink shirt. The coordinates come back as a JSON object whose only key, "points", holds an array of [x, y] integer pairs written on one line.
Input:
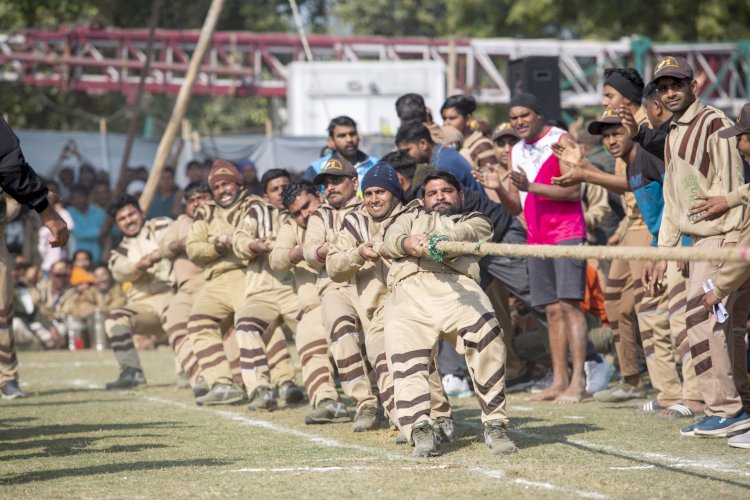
{"points": [[554, 216]]}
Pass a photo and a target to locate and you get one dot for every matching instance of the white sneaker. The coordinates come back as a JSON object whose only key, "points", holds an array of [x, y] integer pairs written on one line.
{"points": [[455, 386], [597, 375], [740, 441]]}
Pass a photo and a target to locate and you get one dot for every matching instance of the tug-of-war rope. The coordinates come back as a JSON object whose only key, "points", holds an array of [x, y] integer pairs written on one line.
{"points": [[438, 249]]}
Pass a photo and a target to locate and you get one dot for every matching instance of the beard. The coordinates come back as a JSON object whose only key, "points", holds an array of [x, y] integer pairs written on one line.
{"points": [[445, 209]]}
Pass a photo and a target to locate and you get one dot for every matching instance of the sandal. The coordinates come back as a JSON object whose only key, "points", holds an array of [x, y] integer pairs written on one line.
{"points": [[648, 408], [678, 410]]}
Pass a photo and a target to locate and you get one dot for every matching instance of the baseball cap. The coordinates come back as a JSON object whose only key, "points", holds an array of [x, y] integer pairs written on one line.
{"points": [[741, 127], [504, 129], [609, 117], [337, 166], [676, 67]]}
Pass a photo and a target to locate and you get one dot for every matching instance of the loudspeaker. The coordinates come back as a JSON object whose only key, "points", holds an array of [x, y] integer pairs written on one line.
{"points": [[540, 76]]}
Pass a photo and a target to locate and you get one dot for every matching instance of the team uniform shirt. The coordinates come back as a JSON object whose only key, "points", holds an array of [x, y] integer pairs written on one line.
{"points": [[478, 151], [547, 221], [305, 277], [184, 268], [699, 164], [155, 280]]}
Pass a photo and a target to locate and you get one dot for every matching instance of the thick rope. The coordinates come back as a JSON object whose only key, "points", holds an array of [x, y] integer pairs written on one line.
{"points": [[678, 254]]}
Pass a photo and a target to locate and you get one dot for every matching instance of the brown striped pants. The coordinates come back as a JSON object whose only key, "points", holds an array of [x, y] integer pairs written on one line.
{"points": [[262, 344], [8, 361], [218, 300], [176, 323], [343, 321], [422, 308], [677, 293], [710, 341], [312, 346], [144, 316], [375, 350]]}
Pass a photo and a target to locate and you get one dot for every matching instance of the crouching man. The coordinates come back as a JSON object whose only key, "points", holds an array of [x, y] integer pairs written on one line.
{"points": [[434, 296]]}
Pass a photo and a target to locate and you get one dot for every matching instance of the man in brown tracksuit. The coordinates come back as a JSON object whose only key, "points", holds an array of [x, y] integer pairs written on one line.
{"points": [[209, 244], [429, 299], [269, 296], [188, 280], [138, 260], [699, 164], [343, 316], [301, 200]]}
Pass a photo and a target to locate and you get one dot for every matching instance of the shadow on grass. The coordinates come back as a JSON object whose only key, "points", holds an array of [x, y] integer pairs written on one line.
{"points": [[62, 390], [96, 470], [32, 404], [44, 430], [5, 421], [58, 442], [72, 447]]}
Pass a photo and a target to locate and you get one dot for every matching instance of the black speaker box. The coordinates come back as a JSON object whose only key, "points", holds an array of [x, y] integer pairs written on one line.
{"points": [[540, 76]]}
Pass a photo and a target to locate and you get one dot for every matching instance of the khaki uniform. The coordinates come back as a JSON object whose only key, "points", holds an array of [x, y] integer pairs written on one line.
{"points": [[344, 263], [699, 163], [343, 315], [429, 300], [218, 299], [478, 151], [312, 346], [8, 360], [148, 296], [269, 300]]}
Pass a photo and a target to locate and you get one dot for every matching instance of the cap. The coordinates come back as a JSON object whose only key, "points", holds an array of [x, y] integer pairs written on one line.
{"points": [[609, 117], [382, 175], [336, 166], [79, 275], [223, 170], [526, 100], [741, 127], [59, 267], [451, 134], [676, 67], [504, 129]]}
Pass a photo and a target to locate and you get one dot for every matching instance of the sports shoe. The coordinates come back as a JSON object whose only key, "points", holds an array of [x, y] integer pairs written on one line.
{"points": [[328, 411], [619, 393], [221, 394], [10, 390], [717, 426], [597, 374], [740, 441], [366, 419], [291, 393], [200, 388], [401, 439], [425, 444], [443, 429], [519, 384], [541, 384], [129, 378], [456, 387], [496, 438], [263, 399], [689, 430]]}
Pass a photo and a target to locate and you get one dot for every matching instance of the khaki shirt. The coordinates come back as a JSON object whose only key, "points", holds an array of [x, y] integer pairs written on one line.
{"points": [[344, 262], [478, 151], [305, 277], [699, 163], [461, 227], [322, 228], [262, 220], [214, 223], [155, 280], [184, 268]]}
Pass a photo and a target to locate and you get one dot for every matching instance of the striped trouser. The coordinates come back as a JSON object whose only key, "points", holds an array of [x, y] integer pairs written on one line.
{"points": [[710, 341], [216, 301], [8, 361], [262, 344], [176, 323], [677, 292], [421, 308], [312, 346], [375, 350], [343, 321], [140, 317]]}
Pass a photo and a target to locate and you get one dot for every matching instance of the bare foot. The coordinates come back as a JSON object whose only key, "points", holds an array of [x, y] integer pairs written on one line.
{"points": [[696, 407], [573, 394], [666, 403], [548, 394]]}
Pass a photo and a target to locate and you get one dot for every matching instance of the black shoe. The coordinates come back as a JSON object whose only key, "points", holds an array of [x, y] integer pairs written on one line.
{"points": [[519, 384], [291, 393], [129, 378], [200, 388], [10, 390]]}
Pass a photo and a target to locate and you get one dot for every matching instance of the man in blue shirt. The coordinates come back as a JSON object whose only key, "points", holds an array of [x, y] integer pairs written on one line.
{"points": [[88, 220], [343, 140], [413, 138]]}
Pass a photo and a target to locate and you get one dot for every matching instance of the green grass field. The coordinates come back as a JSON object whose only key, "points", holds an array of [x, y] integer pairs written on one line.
{"points": [[72, 439]]}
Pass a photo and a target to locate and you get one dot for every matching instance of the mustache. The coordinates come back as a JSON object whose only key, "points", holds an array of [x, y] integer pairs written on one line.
{"points": [[329, 193]]}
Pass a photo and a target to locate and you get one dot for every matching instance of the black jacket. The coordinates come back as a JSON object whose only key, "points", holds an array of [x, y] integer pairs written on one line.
{"points": [[17, 178], [500, 218]]}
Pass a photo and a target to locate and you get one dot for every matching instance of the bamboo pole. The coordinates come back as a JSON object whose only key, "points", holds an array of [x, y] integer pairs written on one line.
{"points": [[181, 104]]}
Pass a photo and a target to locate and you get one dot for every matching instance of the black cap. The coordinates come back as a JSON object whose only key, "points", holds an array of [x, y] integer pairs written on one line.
{"points": [[526, 100], [741, 127]]}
